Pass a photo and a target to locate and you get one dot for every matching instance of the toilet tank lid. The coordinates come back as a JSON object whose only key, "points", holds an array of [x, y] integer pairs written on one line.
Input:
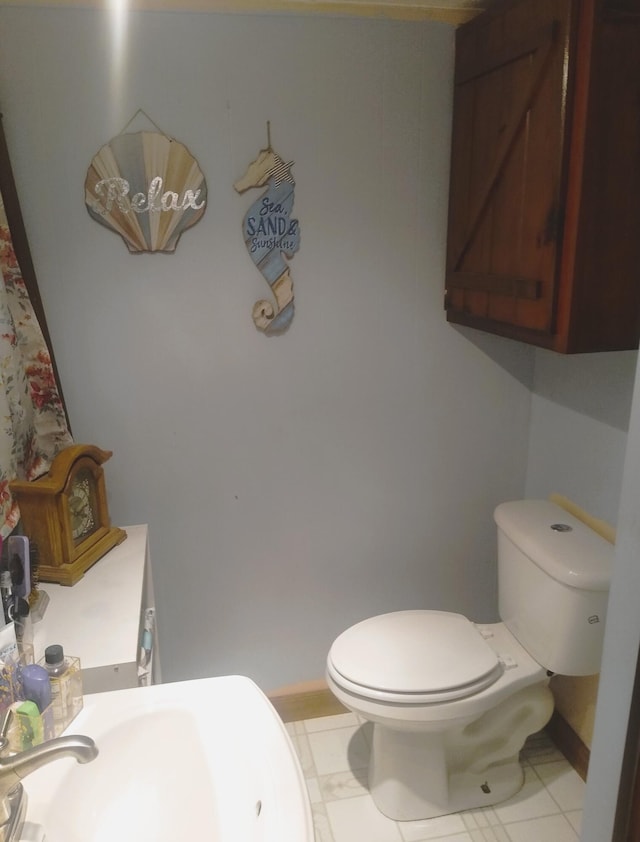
{"points": [[576, 556]]}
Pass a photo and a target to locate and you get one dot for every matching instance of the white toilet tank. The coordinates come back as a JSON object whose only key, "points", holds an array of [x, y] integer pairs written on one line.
{"points": [[553, 584]]}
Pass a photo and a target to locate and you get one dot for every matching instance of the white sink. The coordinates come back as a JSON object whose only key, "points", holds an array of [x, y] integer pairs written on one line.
{"points": [[206, 759]]}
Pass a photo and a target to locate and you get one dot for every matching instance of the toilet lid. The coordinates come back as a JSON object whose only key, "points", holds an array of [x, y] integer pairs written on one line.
{"points": [[416, 652]]}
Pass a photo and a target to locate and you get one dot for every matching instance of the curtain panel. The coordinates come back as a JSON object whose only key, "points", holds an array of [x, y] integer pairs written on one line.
{"points": [[33, 424]]}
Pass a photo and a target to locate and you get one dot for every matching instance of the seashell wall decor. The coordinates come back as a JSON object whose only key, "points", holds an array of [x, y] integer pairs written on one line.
{"points": [[146, 187]]}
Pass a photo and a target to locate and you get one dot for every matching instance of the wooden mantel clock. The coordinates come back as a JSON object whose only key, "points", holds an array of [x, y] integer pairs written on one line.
{"points": [[65, 513]]}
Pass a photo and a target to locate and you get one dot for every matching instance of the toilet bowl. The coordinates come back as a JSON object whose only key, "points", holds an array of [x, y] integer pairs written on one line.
{"points": [[452, 702], [466, 698]]}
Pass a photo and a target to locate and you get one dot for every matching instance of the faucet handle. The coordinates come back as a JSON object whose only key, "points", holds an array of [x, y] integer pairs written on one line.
{"points": [[7, 717]]}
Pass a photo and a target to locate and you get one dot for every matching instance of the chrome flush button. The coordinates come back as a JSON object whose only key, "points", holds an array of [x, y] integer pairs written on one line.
{"points": [[561, 527]]}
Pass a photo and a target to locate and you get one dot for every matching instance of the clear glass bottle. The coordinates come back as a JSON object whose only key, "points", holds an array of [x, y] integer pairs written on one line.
{"points": [[66, 685]]}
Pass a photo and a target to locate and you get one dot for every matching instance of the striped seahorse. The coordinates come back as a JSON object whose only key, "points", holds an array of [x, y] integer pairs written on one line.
{"points": [[270, 235]]}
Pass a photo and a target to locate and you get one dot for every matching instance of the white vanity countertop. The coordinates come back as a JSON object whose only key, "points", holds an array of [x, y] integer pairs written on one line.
{"points": [[98, 618]]}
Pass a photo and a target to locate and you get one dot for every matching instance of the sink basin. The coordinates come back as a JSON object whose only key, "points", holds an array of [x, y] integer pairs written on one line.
{"points": [[208, 758]]}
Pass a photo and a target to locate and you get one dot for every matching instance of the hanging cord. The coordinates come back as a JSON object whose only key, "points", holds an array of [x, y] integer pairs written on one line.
{"points": [[153, 123]]}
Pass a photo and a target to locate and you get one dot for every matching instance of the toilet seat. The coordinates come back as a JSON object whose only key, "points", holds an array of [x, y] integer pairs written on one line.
{"points": [[413, 657]]}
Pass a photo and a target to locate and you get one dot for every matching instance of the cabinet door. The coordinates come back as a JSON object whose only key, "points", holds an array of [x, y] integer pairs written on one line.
{"points": [[507, 166]]}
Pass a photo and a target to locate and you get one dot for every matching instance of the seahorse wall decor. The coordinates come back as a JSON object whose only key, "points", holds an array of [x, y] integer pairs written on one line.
{"points": [[270, 234]]}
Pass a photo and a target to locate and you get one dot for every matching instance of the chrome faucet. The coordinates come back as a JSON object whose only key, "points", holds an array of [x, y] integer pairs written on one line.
{"points": [[15, 767]]}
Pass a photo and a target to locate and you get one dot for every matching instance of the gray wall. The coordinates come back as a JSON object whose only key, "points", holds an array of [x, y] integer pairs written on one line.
{"points": [[579, 419], [295, 484]]}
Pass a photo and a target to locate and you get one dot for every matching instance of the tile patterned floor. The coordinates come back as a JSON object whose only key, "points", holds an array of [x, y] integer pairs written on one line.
{"points": [[334, 752]]}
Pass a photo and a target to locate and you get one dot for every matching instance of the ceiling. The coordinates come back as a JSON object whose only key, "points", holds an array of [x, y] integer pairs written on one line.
{"points": [[448, 11]]}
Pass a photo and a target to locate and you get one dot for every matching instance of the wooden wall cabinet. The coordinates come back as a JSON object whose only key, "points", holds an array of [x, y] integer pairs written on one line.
{"points": [[544, 207]]}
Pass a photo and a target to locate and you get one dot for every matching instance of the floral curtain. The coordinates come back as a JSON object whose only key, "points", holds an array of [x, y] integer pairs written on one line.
{"points": [[33, 426]]}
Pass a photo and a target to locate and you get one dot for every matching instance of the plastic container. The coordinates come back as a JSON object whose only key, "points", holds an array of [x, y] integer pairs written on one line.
{"points": [[24, 632], [29, 728]]}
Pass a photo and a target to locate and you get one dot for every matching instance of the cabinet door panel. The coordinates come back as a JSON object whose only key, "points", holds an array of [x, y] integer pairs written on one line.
{"points": [[506, 189], [507, 233], [478, 248]]}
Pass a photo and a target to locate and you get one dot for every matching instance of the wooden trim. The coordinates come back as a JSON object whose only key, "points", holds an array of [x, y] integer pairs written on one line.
{"points": [[627, 822], [445, 11], [308, 700], [514, 286], [511, 331], [569, 743]]}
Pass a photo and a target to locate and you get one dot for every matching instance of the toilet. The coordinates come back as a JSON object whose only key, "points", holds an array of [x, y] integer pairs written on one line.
{"points": [[451, 701]]}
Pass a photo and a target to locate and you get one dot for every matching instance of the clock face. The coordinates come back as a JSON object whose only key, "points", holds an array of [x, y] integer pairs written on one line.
{"points": [[82, 506]]}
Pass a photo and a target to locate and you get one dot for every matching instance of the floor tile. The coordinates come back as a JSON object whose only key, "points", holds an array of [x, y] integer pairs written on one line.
{"points": [[357, 820], [343, 784], [442, 827], [303, 750], [293, 728], [480, 819], [556, 828], [339, 750], [490, 834], [334, 754], [575, 820], [313, 788], [563, 783], [532, 801], [321, 826]]}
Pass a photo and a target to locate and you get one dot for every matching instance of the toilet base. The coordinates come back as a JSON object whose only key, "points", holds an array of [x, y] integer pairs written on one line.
{"points": [[423, 774], [429, 793]]}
